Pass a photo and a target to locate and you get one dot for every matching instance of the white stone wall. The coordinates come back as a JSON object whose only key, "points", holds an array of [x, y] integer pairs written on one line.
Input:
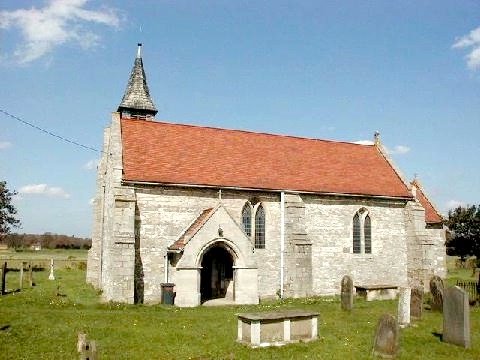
{"points": [[166, 212], [329, 227]]}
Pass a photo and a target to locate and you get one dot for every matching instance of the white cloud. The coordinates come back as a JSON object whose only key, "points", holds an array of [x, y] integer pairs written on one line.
{"points": [[364, 142], [398, 150], [91, 164], [452, 204], [91, 201], [44, 189], [5, 145], [58, 22], [471, 41]]}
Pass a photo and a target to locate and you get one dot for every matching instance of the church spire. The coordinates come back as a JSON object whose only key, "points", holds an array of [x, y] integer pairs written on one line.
{"points": [[137, 101]]}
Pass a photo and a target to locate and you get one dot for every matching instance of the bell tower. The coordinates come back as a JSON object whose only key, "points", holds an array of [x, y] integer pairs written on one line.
{"points": [[136, 101]]}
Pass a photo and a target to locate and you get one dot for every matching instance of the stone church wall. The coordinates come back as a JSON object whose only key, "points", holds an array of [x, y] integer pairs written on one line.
{"points": [[165, 213], [329, 224]]}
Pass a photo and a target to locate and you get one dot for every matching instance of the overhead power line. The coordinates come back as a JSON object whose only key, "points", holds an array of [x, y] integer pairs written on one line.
{"points": [[49, 132]]}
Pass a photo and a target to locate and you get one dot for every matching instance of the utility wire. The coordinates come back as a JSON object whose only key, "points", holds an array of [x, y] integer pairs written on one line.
{"points": [[48, 132]]}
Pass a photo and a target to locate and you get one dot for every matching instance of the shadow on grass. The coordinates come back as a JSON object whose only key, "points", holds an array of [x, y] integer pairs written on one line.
{"points": [[438, 335]]}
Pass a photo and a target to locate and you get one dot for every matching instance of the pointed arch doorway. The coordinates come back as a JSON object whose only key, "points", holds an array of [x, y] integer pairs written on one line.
{"points": [[216, 276]]}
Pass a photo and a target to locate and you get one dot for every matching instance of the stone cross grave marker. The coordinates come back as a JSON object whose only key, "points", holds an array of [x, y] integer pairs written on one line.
{"points": [[347, 293], [456, 317], [404, 307], [416, 302], [436, 289], [386, 342], [51, 276]]}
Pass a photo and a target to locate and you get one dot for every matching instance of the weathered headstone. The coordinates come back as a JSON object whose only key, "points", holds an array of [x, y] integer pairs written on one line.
{"points": [[20, 280], [386, 342], [436, 289], [86, 348], [416, 303], [51, 276], [404, 307], [4, 279], [456, 317], [347, 293]]}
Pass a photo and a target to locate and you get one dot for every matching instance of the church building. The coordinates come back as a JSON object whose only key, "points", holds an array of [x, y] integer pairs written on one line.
{"points": [[243, 216]]}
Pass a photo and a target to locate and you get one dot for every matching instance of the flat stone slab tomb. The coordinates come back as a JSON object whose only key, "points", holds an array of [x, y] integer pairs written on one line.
{"points": [[377, 292], [277, 328]]}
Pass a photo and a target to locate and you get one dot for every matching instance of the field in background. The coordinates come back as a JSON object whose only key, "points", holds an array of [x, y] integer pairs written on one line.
{"points": [[40, 259], [43, 322]]}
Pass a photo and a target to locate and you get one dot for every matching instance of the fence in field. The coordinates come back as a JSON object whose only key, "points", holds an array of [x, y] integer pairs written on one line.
{"points": [[472, 288], [44, 263], [29, 266]]}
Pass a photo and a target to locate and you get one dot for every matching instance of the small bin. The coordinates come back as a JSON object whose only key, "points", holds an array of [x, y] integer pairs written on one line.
{"points": [[167, 293]]}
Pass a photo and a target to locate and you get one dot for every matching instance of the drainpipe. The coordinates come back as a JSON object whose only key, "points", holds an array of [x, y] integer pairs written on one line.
{"points": [[166, 267], [282, 239]]}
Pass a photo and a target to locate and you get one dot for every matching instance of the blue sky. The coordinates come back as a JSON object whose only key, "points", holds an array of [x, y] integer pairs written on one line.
{"points": [[330, 70]]}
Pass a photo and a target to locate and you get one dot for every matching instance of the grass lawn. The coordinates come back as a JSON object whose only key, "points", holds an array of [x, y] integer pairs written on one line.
{"points": [[38, 324]]}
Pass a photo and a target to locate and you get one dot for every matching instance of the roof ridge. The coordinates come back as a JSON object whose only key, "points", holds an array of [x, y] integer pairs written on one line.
{"points": [[165, 122]]}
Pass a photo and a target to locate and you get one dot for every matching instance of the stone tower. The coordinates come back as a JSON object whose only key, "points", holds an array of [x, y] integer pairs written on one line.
{"points": [[136, 101]]}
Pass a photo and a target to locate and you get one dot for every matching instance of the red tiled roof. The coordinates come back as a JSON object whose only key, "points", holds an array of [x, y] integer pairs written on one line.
{"points": [[192, 229], [169, 153], [431, 214]]}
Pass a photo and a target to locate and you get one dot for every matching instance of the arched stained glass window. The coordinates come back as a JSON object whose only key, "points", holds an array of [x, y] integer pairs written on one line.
{"points": [[247, 219], [260, 228], [356, 234], [367, 230]]}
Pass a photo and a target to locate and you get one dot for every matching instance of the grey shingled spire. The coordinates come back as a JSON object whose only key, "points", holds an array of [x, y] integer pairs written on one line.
{"points": [[136, 100]]}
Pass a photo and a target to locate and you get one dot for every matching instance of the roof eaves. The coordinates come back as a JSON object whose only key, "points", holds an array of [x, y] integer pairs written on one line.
{"points": [[295, 191]]}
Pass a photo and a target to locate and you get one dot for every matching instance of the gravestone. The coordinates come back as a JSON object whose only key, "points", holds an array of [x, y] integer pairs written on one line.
{"points": [[456, 317], [404, 307], [386, 342], [86, 348], [347, 293], [436, 289], [416, 303], [20, 280], [51, 276]]}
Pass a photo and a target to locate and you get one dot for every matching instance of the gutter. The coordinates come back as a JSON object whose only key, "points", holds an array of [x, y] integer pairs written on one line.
{"points": [[236, 188]]}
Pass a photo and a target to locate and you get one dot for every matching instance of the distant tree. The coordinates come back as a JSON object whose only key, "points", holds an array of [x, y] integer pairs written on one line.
{"points": [[464, 225], [7, 210]]}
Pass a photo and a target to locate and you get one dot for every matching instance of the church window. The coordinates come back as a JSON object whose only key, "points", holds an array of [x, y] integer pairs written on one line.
{"points": [[367, 230], [260, 228], [362, 232], [356, 234], [247, 219]]}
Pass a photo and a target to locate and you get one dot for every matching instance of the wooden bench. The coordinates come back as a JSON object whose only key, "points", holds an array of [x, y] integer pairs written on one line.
{"points": [[377, 292], [277, 328]]}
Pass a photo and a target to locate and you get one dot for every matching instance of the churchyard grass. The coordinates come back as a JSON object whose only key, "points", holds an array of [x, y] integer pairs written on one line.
{"points": [[43, 322]]}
